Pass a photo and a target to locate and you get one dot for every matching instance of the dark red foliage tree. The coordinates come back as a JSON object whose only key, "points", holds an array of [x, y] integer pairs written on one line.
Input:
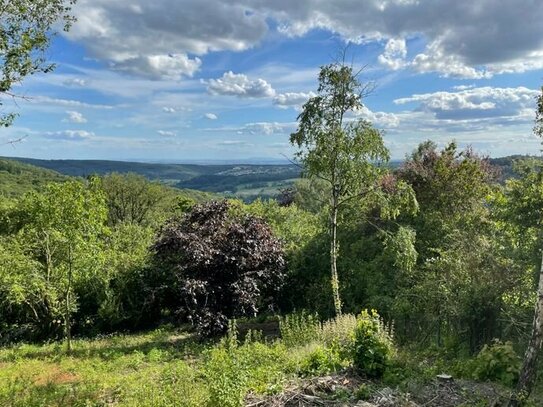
{"points": [[228, 265]]}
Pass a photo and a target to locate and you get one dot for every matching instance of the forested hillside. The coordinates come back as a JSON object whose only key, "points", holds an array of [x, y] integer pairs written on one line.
{"points": [[246, 181], [16, 178]]}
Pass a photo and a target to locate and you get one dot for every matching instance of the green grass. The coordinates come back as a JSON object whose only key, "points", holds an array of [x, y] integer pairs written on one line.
{"points": [[169, 367], [165, 367], [152, 369]]}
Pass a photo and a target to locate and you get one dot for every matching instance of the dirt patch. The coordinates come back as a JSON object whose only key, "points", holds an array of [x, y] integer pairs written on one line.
{"points": [[344, 389], [55, 376]]}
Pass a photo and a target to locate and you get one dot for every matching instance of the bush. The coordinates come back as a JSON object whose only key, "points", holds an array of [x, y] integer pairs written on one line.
{"points": [[299, 328], [229, 265], [321, 361], [497, 362], [232, 370], [373, 347]]}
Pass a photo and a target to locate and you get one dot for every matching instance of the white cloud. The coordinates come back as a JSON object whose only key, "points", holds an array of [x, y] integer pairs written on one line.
{"points": [[211, 116], [267, 128], [171, 66], [474, 102], [168, 109], [46, 100], [166, 133], [240, 85], [382, 120], [292, 99], [238, 143], [138, 35], [473, 39], [76, 82], [394, 54], [464, 39], [70, 135], [75, 117]]}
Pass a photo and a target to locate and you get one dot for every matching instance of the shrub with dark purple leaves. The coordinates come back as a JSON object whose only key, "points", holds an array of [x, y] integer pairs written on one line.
{"points": [[228, 265]]}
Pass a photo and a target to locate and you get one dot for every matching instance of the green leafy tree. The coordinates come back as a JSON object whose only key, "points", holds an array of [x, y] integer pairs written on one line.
{"points": [[26, 29], [459, 280], [228, 265], [534, 201], [340, 150], [63, 226], [131, 198]]}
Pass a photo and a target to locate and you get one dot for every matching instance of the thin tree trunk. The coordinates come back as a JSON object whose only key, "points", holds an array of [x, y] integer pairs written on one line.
{"points": [[333, 260], [528, 373], [67, 315]]}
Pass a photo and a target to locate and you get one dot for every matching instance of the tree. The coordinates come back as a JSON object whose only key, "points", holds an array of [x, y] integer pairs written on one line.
{"points": [[226, 263], [27, 27], [342, 151], [458, 283], [528, 372], [62, 225], [131, 198]]}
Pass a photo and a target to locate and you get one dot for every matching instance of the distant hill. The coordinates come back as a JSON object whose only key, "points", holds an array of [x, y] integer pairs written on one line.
{"points": [[505, 164], [17, 178], [247, 181]]}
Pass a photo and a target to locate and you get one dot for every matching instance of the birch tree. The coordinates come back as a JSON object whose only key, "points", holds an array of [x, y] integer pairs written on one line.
{"points": [[339, 148]]}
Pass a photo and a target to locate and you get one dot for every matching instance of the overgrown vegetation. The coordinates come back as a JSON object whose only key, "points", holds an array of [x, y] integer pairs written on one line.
{"points": [[447, 255]]}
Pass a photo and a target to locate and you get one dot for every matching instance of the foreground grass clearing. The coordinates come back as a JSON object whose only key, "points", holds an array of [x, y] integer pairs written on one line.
{"points": [[169, 367], [151, 369]]}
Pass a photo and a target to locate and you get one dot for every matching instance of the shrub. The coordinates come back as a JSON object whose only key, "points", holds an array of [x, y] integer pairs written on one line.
{"points": [[373, 347], [321, 361], [299, 328], [228, 264], [497, 362], [232, 370]]}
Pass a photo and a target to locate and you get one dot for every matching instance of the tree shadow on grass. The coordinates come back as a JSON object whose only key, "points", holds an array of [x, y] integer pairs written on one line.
{"points": [[170, 344]]}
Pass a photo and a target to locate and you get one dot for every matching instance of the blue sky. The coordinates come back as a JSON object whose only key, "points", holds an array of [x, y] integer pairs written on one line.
{"points": [[198, 80]]}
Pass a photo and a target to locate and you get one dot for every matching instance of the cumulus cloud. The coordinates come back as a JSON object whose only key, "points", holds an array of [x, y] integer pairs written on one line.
{"points": [[168, 109], [166, 133], [292, 99], [394, 54], [383, 120], [137, 36], [472, 40], [474, 102], [171, 66], [211, 116], [75, 117], [240, 85], [70, 135], [463, 39]]}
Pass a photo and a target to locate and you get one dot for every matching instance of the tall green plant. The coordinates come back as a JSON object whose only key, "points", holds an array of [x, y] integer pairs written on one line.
{"points": [[341, 151]]}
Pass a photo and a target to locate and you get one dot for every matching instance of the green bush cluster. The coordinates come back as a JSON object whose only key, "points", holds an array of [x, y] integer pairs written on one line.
{"points": [[373, 346], [497, 362]]}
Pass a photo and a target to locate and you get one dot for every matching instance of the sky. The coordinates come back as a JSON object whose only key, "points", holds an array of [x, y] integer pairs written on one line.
{"points": [[224, 80]]}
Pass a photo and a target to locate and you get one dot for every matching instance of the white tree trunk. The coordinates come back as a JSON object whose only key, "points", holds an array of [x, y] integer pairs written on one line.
{"points": [[528, 373]]}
